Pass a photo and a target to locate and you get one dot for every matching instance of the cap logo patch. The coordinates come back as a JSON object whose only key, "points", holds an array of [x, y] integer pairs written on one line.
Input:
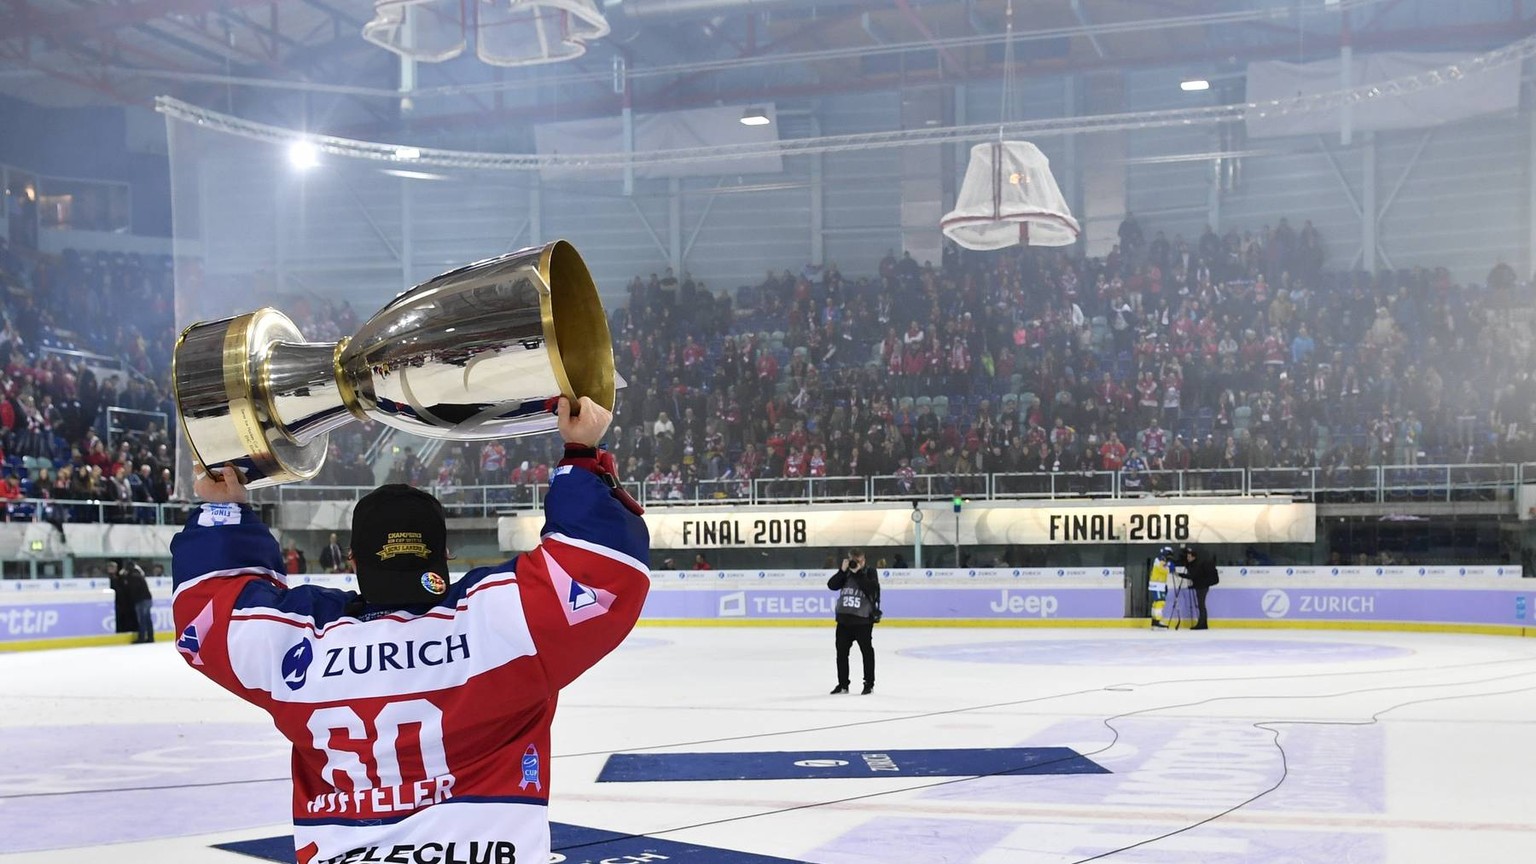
{"points": [[434, 583], [404, 543]]}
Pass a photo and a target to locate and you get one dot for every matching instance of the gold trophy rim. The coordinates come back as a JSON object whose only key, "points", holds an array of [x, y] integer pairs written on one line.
{"points": [[597, 348]]}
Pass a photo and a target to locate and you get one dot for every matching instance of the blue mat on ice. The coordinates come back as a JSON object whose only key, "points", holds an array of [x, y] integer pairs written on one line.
{"points": [[842, 764]]}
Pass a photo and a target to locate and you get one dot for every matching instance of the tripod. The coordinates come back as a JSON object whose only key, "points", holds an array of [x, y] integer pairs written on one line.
{"points": [[1180, 594]]}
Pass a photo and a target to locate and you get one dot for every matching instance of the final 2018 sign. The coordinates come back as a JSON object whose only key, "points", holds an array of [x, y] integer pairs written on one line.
{"points": [[1161, 521]]}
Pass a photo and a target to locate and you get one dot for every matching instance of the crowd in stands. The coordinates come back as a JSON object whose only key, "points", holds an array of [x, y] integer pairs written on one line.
{"points": [[81, 334], [87, 420], [1223, 352]]}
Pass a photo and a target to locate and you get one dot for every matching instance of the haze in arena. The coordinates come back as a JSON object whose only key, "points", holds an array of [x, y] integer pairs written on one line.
{"points": [[1144, 388]]}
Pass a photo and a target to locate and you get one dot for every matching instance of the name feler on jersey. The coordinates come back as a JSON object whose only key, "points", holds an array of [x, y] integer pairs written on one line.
{"points": [[385, 799], [490, 852], [393, 655]]}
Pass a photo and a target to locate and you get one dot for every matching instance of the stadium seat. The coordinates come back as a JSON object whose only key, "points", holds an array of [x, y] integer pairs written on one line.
{"points": [[941, 406], [924, 400]]}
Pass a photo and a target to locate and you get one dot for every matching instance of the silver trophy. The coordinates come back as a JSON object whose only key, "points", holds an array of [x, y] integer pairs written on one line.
{"points": [[472, 354]]}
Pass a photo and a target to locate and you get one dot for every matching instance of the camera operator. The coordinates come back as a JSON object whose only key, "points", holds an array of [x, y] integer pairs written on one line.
{"points": [[858, 611], [1201, 573]]}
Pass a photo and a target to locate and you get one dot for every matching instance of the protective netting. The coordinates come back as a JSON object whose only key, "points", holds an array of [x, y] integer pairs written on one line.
{"points": [[328, 245], [1009, 197]]}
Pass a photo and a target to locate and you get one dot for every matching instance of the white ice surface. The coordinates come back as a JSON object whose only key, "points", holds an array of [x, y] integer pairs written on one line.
{"points": [[1450, 780]]}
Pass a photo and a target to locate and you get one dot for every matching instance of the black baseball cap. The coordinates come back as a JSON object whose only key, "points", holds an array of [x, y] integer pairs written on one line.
{"points": [[400, 546]]}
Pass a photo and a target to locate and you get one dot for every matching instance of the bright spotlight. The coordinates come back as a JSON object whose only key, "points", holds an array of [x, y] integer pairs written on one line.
{"points": [[408, 153], [303, 155], [1194, 84], [755, 117]]}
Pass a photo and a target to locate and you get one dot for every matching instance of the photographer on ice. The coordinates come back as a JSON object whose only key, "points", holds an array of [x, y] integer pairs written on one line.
{"points": [[858, 611]]}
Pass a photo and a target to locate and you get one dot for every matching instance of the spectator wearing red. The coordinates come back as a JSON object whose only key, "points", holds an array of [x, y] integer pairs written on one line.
{"points": [[1112, 453]]}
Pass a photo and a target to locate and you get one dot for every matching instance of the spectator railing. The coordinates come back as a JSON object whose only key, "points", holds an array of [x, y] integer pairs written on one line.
{"points": [[928, 487], [1057, 484], [1373, 484], [77, 511], [124, 421], [464, 502], [100, 363], [810, 490]]}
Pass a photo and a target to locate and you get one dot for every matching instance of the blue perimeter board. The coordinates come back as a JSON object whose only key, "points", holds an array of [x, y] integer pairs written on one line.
{"points": [[821, 764], [579, 845]]}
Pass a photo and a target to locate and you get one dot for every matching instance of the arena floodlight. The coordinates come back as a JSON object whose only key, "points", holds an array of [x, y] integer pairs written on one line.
{"points": [[755, 117], [303, 155], [408, 153], [1193, 85]]}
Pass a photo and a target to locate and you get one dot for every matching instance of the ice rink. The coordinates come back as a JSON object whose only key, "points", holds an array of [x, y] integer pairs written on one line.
{"points": [[1230, 746]]}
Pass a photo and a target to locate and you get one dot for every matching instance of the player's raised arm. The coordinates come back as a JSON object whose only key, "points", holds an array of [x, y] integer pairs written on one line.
{"points": [[224, 550], [584, 586]]}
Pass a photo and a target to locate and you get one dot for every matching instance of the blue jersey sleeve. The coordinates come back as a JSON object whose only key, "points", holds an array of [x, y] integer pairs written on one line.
{"points": [[580, 505], [224, 539]]}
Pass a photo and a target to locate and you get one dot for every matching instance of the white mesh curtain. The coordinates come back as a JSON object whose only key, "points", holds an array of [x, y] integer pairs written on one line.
{"points": [[1009, 197], [506, 32], [526, 32]]}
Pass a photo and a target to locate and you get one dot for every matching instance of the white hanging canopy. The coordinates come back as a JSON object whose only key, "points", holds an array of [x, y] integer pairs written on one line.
{"points": [[505, 32], [529, 32], [1009, 197]]}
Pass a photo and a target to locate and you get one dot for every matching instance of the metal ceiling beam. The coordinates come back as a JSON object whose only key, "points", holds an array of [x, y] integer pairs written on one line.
{"points": [[336, 14], [105, 18], [102, 86], [271, 32], [945, 55], [1082, 18], [810, 28], [182, 44], [653, 9], [764, 57], [1488, 34]]}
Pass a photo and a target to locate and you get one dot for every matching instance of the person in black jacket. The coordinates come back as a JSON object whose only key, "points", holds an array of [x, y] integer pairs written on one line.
{"points": [[858, 610], [126, 617], [143, 602], [1201, 574]]}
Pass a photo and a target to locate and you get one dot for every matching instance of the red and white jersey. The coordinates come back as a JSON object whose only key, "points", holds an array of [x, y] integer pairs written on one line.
{"points": [[423, 734]]}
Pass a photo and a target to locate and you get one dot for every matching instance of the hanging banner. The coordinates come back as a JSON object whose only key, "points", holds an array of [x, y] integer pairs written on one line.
{"points": [[1170, 521], [1179, 522]]}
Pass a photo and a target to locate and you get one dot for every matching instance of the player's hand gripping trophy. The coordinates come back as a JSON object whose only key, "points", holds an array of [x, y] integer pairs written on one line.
{"points": [[473, 354]]}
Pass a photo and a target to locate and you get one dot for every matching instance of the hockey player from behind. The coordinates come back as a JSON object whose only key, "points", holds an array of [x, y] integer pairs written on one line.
{"points": [[419, 711]]}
